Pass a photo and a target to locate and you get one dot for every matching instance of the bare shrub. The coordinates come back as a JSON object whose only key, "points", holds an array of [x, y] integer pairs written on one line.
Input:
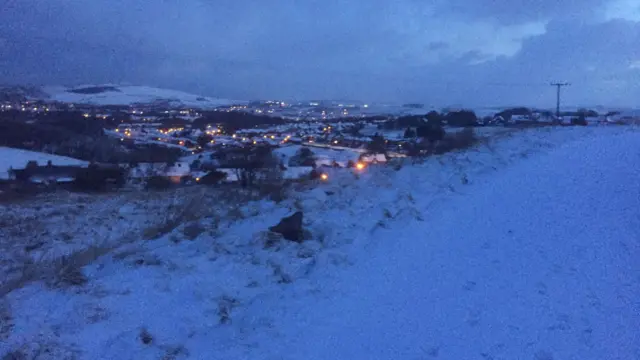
{"points": [[276, 192], [193, 229], [180, 211], [174, 353], [6, 320], [281, 276], [15, 355], [397, 164], [268, 239], [270, 180], [235, 214], [460, 140], [225, 306], [68, 274]]}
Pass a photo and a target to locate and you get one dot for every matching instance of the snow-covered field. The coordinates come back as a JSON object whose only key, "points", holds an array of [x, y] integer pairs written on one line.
{"points": [[129, 95], [522, 248], [18, 159]]}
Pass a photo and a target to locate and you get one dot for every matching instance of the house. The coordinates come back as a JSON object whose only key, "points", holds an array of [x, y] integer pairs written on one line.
{"points": [[47, 175]]}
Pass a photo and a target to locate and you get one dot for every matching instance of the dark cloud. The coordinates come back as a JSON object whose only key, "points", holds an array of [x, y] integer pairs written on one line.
{"points": [[457, 51]]}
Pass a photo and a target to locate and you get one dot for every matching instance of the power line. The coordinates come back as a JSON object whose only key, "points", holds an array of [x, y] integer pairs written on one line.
{"points": [[558, 86]]}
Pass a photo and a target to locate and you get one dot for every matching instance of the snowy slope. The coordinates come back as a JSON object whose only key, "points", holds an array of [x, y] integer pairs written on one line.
{"points": [[519, 249], [18, 159], [129, 95], [538, 263]]}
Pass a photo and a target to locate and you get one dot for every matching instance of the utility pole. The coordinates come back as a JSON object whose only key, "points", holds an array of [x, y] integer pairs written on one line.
{"points": [[558, 86]]}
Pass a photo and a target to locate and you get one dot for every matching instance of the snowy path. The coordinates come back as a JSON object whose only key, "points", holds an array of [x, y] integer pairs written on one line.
{"points": [[541, 263]]}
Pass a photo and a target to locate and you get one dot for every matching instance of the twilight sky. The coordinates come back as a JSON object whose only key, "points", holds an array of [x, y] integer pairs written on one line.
{"points": [[439, 52]]}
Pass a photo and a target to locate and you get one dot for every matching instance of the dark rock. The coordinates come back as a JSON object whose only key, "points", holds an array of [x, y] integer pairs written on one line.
{"points": [[145, 337], [290, 227]]}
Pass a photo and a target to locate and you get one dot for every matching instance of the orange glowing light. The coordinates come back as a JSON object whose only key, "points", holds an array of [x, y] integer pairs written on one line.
{"points": [[324, 177], [360, 166]]}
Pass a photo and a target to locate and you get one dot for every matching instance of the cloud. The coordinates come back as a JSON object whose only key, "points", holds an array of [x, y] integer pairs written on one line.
{"points": [[458, 51], [517, 11], [623, 9]]}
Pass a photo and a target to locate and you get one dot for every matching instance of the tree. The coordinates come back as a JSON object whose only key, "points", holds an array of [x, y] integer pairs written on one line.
{"points": [[431, 132], [204, 140], [434, 118], [378, 145], [409, 121], [248, 161], [303, 157], [409, 133], [487, 120], [580, 120], [355, 129], [462, 118], [213, 177], [388, 125], [413, 150], [587, 113]]}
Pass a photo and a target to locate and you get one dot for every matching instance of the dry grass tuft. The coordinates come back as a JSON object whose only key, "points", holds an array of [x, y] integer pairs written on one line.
{"points": [[281, 276], [193, 229], [59, 272], [235, 214], [268, 239], [6, 320], [174, 353], [41, 348], [179, 212], [225, 306], [276, 191]]}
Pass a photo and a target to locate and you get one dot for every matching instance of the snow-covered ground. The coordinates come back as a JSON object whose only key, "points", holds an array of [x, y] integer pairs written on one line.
{"points": [[522, 248], [18, 159], [129, 95]]}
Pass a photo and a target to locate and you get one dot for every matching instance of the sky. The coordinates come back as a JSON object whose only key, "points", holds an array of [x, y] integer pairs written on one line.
{"points": [[440, 52]]}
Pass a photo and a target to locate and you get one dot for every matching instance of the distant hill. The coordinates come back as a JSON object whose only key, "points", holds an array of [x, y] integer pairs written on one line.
{"points": [[21, 93], [108, 94], [132, 95]]}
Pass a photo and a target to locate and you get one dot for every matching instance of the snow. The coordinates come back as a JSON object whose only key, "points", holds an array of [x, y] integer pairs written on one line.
{"points": [[522, 248], [540, 262], [130, 95], [18, 159]]}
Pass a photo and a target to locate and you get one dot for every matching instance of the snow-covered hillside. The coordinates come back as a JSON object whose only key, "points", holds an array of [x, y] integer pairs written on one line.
{"points": [[18, 159], [538, 262], [129, 95], [523, 248]]}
